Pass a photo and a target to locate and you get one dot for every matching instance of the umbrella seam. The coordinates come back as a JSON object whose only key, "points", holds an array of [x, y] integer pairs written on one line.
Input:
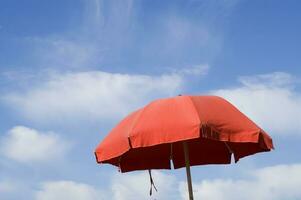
{"points": [[133, 126], [195, 110]]}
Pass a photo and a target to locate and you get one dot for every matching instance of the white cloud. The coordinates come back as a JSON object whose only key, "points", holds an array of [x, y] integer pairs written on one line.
{"points": [[137, 186], [28, 145], [93, 95], [270, 100], [276, 182], [68, 190]]}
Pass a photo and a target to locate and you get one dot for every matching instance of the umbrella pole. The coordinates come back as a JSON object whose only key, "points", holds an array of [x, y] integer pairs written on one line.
{"points": [[186, 155]]}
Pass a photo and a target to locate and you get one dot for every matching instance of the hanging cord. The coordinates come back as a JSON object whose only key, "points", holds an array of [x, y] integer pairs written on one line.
{"points": [[152, 183]]}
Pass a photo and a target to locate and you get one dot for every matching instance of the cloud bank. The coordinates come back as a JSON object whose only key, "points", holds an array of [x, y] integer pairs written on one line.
{"points": [[275, 182], [121, 187]]}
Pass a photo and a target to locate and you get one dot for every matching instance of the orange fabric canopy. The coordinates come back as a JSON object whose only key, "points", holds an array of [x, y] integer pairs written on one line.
{"points": [[151, 137]]}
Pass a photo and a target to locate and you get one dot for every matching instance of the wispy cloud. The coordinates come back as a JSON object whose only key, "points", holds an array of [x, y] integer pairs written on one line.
{"points": [[58, 52], [6, 187], [196, 70], [121, 34]]}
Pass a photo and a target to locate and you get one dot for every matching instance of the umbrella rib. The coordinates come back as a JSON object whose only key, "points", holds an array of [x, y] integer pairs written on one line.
{"points": [[229, 149], [171, 157], [171, 151], [130, 143]]}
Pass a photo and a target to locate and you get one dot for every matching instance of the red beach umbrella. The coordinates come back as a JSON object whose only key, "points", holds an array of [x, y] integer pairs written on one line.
{"points": [[187, 130]]}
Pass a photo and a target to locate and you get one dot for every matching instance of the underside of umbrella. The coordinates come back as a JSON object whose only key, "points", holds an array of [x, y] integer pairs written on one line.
{"points": [[202, 151]]}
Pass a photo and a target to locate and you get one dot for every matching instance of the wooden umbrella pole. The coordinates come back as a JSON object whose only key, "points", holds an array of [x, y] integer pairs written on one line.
{"points": [[186, 155]]}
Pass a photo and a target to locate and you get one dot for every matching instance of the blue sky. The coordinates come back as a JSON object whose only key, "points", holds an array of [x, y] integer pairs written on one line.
{"points": [[70, 70]]}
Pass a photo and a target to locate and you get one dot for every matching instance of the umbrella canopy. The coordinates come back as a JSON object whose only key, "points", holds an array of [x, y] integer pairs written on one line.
{"points": [[152, 137]]}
